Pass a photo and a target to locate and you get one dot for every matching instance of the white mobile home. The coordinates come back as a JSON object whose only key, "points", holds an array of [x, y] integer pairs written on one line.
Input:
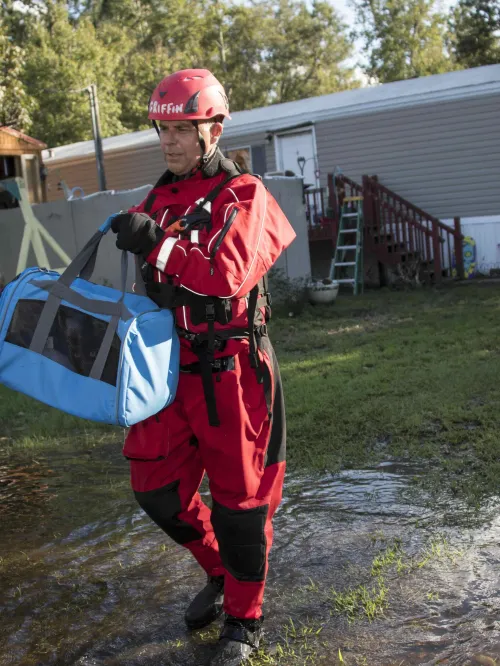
{"points": [[435, 141]]}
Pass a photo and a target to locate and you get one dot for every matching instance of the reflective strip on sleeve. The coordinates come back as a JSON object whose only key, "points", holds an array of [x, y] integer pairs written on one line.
{"points": [[164, 253]]}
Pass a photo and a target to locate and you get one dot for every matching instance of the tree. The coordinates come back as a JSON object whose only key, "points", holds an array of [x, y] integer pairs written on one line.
{"points": [[264, 51], [278, 51], [169, 38], [15, 104], [308, 49], [475, 32], [404, 39], [62, 60]]}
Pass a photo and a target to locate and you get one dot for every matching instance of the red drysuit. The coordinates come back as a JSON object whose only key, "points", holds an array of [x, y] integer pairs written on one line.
{"points": [[244, 455]]}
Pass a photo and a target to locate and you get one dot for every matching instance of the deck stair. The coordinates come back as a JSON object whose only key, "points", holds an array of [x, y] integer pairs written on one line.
{"points": [[399, 234]]}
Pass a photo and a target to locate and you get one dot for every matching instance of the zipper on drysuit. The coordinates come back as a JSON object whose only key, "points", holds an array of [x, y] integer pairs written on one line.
{"points": [[222, 235]]}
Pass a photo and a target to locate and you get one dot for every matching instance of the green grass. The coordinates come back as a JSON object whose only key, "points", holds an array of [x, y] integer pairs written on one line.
{"points": [[370, 599], [302, 641], [408, 374]]}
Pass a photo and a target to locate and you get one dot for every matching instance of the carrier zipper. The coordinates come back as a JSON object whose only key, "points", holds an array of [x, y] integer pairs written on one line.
{"points": [[218, 243]]}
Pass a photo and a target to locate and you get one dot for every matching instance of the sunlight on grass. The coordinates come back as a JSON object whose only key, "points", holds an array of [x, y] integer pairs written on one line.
{"points": [[387, 374]]}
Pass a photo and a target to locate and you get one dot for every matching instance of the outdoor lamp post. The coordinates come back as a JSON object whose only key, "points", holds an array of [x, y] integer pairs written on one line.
{"points": [[96, 130]]}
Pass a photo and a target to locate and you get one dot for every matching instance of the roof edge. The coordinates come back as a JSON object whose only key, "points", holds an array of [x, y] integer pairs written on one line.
{"points": [[413, 93]]}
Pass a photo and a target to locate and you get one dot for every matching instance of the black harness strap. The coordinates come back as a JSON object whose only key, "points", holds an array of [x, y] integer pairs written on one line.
{"points": [[211, 308], [254, 355], [149, 202], [206, 360], [221, 364], [204, 345], [200, 216]]}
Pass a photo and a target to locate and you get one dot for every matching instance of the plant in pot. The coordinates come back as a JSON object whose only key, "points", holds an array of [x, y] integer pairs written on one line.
{"points": [[323, 290]]}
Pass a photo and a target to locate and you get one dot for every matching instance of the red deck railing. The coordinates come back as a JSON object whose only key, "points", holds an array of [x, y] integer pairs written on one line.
{"points": [[392, 224], [320, 225]]}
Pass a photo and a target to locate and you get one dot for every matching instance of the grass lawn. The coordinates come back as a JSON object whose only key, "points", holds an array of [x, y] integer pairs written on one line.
{"points": [[409, 374]]}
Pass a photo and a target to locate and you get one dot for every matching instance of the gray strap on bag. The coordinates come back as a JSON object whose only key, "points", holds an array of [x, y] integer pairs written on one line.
{"points": [[140, 288], [51, 307], [107, 341], [83, 266], [65, 293], [102, 355]]}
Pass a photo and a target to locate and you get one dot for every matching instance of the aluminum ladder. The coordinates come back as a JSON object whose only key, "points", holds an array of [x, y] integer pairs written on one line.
{"points": [[347, 262]]}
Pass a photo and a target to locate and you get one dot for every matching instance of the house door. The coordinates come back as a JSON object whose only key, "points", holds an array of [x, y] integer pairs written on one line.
{"points": [[293, 145]]}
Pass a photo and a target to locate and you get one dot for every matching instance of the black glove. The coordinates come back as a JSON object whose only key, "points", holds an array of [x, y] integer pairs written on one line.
{"points": [[136, 232]]}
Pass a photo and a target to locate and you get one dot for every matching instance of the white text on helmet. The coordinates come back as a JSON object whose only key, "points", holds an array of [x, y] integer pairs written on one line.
{"points": [[155, 107]]}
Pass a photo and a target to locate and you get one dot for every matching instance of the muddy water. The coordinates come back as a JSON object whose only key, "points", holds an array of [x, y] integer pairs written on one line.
{"points": [[87, 580]]}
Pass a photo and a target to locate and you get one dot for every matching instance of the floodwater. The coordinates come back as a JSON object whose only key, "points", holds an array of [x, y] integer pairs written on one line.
{"points": [[87, 580]]}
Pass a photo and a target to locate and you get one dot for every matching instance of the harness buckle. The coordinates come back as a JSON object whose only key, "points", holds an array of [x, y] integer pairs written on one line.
{"points": [[210, 311]]}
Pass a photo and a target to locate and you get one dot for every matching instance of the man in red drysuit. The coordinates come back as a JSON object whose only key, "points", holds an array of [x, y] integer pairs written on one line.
{"points": [[208, 234]]}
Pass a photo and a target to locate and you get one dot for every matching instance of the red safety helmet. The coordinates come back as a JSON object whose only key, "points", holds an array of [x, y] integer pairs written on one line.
{"points": [[191, 94]]}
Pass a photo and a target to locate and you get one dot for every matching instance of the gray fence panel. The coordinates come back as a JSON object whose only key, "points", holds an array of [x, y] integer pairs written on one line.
{"points": [[57, 218], [72, 223], [11, 233], [288, 192]]}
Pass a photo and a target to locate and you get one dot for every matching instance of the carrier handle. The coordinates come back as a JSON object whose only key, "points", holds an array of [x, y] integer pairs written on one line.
{"points": [[83, 264]]}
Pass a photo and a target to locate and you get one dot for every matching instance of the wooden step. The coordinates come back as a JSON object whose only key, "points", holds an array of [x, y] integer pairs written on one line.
{"points": [[396, 247], [381, 239], [392, 258]]}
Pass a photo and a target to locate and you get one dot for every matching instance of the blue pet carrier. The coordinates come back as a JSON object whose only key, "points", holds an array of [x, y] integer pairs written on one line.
{"points": [[87, 349]]}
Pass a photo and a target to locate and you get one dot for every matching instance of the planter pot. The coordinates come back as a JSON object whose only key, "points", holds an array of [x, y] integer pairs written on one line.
{"points": [[320, 293]]}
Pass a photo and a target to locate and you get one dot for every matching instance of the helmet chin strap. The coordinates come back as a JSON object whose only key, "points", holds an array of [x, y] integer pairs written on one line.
{"points": [[203, 146]]}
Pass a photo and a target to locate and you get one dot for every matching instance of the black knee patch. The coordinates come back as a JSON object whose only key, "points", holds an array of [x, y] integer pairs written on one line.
{"points": [[242, 540], [163, 506]]}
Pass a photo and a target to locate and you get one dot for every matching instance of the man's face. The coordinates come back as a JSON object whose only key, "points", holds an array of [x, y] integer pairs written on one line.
{"points": [[180, 143]]}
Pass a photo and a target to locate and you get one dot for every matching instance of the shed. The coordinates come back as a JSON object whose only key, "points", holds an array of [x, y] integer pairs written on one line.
{"points": [[21, 156], [434, 140]]}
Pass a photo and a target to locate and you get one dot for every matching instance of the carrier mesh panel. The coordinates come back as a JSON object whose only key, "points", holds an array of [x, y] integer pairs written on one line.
{"points": [[74, 341]]}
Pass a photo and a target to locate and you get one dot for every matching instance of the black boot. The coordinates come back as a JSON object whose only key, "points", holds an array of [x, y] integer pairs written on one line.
{"points": [[207, 605], [238, 639]]}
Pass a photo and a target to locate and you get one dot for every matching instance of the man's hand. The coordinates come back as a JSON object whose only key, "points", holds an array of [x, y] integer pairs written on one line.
{"points": [[136, 232]]}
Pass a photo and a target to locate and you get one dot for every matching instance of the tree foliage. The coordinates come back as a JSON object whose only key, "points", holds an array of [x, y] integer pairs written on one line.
{"points": [[403, 39], [264, 51], [475, 32], [64, 58], [15, 104]]}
